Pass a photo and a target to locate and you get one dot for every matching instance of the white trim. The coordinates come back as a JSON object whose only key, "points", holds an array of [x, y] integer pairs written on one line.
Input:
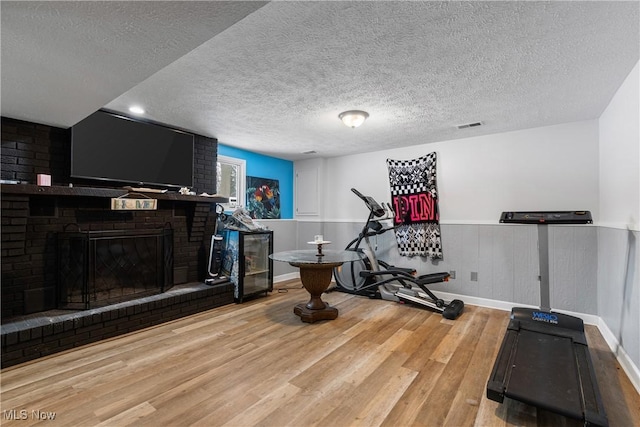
{"points": [[589, 319], [477, 222], [481, 302], [632, 371], [469, 222], [445, 222], [285, 277], [619, 226], [241, 164], [353, 221]]}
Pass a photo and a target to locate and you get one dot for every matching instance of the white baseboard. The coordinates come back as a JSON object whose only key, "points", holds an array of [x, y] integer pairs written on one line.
{"points": [[481, 302], [589, 319], [285, 277], [625, 361]]}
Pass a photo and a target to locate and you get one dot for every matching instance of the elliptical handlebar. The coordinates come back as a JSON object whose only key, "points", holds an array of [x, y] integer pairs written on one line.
{"points": [[375, 208]]}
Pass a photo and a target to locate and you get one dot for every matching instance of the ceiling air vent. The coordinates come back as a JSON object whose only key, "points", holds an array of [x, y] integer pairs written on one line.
{"points": [[309, 152], [469, 125]]}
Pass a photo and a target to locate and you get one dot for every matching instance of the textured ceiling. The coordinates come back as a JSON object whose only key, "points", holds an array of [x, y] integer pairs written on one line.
{"points": [[273, 78], [61, 61]]}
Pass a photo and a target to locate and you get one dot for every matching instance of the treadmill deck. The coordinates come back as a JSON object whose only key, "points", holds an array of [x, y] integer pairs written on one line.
{"points": [[547, 365]]}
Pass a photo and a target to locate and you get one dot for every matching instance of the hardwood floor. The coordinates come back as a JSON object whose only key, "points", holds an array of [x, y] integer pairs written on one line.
{"points": [[257, 364]]}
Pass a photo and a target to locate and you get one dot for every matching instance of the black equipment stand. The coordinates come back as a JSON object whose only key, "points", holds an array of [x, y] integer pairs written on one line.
{"points": [[544, 360]]}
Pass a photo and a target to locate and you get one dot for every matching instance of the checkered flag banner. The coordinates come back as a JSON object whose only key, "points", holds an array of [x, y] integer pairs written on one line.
{"points": [[414, 197]]}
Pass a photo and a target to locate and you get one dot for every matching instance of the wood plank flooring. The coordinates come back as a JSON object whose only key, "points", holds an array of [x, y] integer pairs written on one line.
{"points": [[256, 364]]}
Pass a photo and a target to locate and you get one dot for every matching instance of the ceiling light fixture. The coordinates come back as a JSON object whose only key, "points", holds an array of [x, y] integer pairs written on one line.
{"points": [[136, 109], [353, 118]]}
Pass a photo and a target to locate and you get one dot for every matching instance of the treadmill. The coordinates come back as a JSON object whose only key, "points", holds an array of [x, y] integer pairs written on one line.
{"points": [[544, 360]]}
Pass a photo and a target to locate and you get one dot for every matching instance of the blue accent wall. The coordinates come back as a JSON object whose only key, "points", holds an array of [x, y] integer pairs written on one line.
{"points": [[262, 166]]}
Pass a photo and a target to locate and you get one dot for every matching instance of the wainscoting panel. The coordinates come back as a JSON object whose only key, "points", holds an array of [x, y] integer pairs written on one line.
{"points": [[619, 286], [470, 258], [497, 252], [504, 260], [526, 287], [285, 235], [573, 268]]}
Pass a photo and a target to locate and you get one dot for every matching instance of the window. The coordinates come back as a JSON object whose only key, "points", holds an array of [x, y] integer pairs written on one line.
{"points": [[230, 181]]}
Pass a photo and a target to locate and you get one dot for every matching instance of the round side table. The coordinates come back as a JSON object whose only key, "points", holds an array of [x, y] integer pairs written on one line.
{"points": [[316, 268]]}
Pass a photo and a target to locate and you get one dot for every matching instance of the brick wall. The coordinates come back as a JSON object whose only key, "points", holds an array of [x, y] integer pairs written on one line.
{"points": [[204, 164], [22, 342], [30, 148], [30, 222]]}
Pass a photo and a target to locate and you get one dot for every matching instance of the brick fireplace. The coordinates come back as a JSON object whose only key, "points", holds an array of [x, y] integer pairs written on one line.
{"points": [[99, 268], [33, 218]]}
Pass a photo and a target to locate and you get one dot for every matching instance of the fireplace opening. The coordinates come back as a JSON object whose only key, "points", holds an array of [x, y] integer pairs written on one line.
{"points": [[99, 268]]}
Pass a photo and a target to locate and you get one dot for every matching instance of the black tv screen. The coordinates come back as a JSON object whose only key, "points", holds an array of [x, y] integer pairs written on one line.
{"points": [[106, 146]]}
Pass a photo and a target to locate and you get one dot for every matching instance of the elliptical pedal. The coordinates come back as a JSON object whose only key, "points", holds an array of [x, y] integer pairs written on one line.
{"points": [[453, 309], [449, 311]]}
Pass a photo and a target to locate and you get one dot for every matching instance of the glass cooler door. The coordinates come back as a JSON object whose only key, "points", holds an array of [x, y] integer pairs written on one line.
{"points": [[257, 264]]}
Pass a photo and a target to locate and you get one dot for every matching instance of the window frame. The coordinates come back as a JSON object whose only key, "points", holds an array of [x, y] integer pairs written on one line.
{"points": [[241, 166]]}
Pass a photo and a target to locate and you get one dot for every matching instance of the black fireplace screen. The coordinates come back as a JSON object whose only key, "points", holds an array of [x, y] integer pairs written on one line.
{"points": [[98, 268]]}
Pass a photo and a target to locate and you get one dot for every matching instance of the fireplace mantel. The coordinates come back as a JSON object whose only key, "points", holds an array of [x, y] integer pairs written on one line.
{"points": [[59, 190], [32, 217]]}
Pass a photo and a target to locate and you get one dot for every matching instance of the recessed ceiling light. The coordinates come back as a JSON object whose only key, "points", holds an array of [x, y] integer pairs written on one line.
{"points": [[136, 109]]}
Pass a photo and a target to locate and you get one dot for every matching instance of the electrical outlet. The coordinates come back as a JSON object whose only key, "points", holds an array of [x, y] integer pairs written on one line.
{"points": [[474, 276], [452, 274]]}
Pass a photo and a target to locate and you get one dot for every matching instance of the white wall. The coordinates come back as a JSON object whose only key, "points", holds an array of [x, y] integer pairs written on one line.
{"points": [[619, 156], [547, 168], [309, 188], [619, 236]]}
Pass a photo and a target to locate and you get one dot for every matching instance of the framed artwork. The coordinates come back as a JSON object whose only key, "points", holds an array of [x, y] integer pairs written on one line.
{"points": [[263, 198]]}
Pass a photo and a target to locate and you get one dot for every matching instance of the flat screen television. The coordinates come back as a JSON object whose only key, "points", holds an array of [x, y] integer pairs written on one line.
{"points": [[109, 147]]}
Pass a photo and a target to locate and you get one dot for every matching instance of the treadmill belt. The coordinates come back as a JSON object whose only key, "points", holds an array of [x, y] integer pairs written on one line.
{"points": [[544, 374]]}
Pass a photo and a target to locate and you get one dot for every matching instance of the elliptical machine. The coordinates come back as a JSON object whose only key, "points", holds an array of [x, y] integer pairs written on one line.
{"points": [[375, 278]]}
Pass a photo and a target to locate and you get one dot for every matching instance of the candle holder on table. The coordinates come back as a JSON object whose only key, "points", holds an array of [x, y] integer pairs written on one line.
{"points": [[319, 244]]}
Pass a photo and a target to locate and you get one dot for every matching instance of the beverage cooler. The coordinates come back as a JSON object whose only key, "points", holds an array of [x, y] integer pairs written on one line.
{"points": [[245, 260]]}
